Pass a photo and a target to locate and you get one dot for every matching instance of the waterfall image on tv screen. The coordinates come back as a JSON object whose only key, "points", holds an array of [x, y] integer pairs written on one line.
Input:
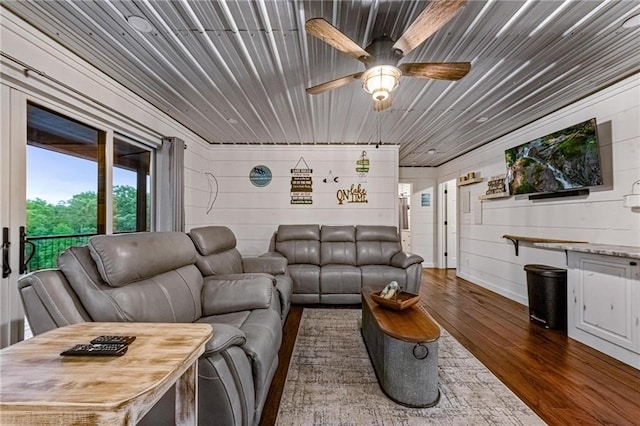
{"points": [[566, 159]]}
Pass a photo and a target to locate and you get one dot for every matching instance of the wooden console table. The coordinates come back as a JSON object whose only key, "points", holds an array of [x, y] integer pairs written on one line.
{"points": [[515, 239], [403, 347], [38, 386]]}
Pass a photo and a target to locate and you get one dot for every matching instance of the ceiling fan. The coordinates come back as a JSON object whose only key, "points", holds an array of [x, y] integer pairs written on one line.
{"points": [[381, 57]]}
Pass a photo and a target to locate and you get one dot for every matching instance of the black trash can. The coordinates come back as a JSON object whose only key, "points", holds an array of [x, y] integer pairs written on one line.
{"points": [[547, 289]]}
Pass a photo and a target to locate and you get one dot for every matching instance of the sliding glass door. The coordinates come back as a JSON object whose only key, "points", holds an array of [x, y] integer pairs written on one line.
{"points": [[63, 178]]}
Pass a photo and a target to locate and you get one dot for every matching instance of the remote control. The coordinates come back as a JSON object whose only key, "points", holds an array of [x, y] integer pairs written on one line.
{"points": [[108, 349], [124, 340]]}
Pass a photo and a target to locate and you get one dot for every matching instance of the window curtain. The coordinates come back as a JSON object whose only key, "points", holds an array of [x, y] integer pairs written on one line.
{"points": [[170, 194]]}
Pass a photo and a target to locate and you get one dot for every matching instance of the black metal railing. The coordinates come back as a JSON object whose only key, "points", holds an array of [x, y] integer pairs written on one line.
{"points": [[47, 249]]}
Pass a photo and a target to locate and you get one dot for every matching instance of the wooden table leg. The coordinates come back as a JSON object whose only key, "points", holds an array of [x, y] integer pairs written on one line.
{"points": [[187, 397]]}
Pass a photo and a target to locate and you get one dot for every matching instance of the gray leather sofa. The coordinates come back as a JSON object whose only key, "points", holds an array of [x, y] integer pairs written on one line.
{"points": [[153, 277], [331, 264], [218, 259]]}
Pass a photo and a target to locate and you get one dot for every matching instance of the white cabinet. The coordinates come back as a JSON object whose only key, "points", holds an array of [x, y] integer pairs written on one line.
{"points": [[604, 304]]}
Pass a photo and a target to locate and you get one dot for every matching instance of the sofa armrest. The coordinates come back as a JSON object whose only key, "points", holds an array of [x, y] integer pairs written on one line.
{"points": [[49, 301], [222, 294], [274, 265], [404, 260], [224, 336]]}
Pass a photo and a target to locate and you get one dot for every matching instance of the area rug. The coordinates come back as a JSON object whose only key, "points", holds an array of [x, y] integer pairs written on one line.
{"points": [[331, 382]]}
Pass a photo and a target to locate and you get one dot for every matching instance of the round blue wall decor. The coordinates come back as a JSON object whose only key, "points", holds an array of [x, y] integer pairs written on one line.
{"points": [[260, 176]]}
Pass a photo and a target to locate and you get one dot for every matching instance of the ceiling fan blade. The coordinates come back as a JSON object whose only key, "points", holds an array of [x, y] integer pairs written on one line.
{"points": [[334, 84], [436, 70], [433, 17], [320, 28], [382, 105]]}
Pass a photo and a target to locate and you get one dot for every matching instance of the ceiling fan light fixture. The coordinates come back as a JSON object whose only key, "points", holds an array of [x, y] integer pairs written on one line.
{"points": [[380, 80]]}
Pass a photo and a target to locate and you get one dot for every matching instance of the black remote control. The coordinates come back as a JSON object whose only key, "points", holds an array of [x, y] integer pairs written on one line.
{"points": [[109, 349], [124, 340]]}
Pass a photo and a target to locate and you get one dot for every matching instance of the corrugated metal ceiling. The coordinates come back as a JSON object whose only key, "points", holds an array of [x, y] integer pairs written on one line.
{"points": [[235, 71]]}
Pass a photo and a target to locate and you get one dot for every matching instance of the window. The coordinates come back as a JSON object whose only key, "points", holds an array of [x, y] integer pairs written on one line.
{"points": [[131, 186], [67, 185]]}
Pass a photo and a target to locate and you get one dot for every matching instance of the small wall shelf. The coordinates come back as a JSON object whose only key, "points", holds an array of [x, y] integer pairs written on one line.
{"points": [[494, 196], [469, 181], [515, 239]]}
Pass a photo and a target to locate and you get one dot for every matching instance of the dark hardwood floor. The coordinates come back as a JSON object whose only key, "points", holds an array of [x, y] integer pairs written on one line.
{"points": [[562, 380]]}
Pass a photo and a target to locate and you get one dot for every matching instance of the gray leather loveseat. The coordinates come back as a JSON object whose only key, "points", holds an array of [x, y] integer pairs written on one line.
{"points": [[331, 264], [154, 277]]}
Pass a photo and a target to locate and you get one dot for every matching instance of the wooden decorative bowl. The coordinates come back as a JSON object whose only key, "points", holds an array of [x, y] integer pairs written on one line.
{"points": [[400, 302]]}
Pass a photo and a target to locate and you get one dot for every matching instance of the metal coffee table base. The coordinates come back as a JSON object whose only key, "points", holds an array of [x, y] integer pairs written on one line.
{"points": [[407, 371]]}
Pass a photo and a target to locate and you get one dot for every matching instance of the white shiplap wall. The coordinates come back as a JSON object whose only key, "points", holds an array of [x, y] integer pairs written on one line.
{"points": [[487, 259], [254, 213]]}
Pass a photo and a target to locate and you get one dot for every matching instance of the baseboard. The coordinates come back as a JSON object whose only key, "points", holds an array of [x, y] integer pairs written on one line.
{"points": [[523, 300]]}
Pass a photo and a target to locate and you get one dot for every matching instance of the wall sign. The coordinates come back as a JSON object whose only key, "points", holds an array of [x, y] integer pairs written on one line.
{"points": [[355, 194], [260, 176], [425, 199], [362, 165], [301, 183]]}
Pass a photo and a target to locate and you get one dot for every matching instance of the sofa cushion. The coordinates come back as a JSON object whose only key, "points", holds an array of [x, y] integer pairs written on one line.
{"points": [[338, 245], [299, 243], [306, 279], [298, 232], [212, 239], [125, 258], [172, 296], [375, 277], [338, 279], [216, 250], [330, 233], [227, 262], [376, 245], [377, 233], [375, 252]]}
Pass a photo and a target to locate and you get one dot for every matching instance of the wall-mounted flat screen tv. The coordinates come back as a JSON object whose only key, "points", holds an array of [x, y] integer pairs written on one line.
{"points": [[566, 159]]}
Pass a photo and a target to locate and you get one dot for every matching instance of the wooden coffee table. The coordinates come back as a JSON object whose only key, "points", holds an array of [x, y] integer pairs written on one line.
{"points": [[403, 347], [40, 387]]}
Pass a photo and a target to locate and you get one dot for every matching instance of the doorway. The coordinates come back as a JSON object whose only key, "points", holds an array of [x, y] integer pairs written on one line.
{"points": [[404, 223]]}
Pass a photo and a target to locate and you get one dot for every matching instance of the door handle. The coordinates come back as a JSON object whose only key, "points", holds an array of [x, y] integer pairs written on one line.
{"points": [[6, 269], [23, 243]]}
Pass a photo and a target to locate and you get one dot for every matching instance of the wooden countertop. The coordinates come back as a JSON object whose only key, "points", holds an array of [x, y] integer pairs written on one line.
{"points": [[515, 239], [632, 252], [39, 386], [538, 239]]}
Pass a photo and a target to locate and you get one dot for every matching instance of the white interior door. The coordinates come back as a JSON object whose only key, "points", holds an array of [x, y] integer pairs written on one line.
{"points": [[12, 209], [452, 225]]}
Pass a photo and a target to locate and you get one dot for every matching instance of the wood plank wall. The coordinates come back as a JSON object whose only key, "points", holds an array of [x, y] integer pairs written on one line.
{"points": [[487, 259], [254, 213]]}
